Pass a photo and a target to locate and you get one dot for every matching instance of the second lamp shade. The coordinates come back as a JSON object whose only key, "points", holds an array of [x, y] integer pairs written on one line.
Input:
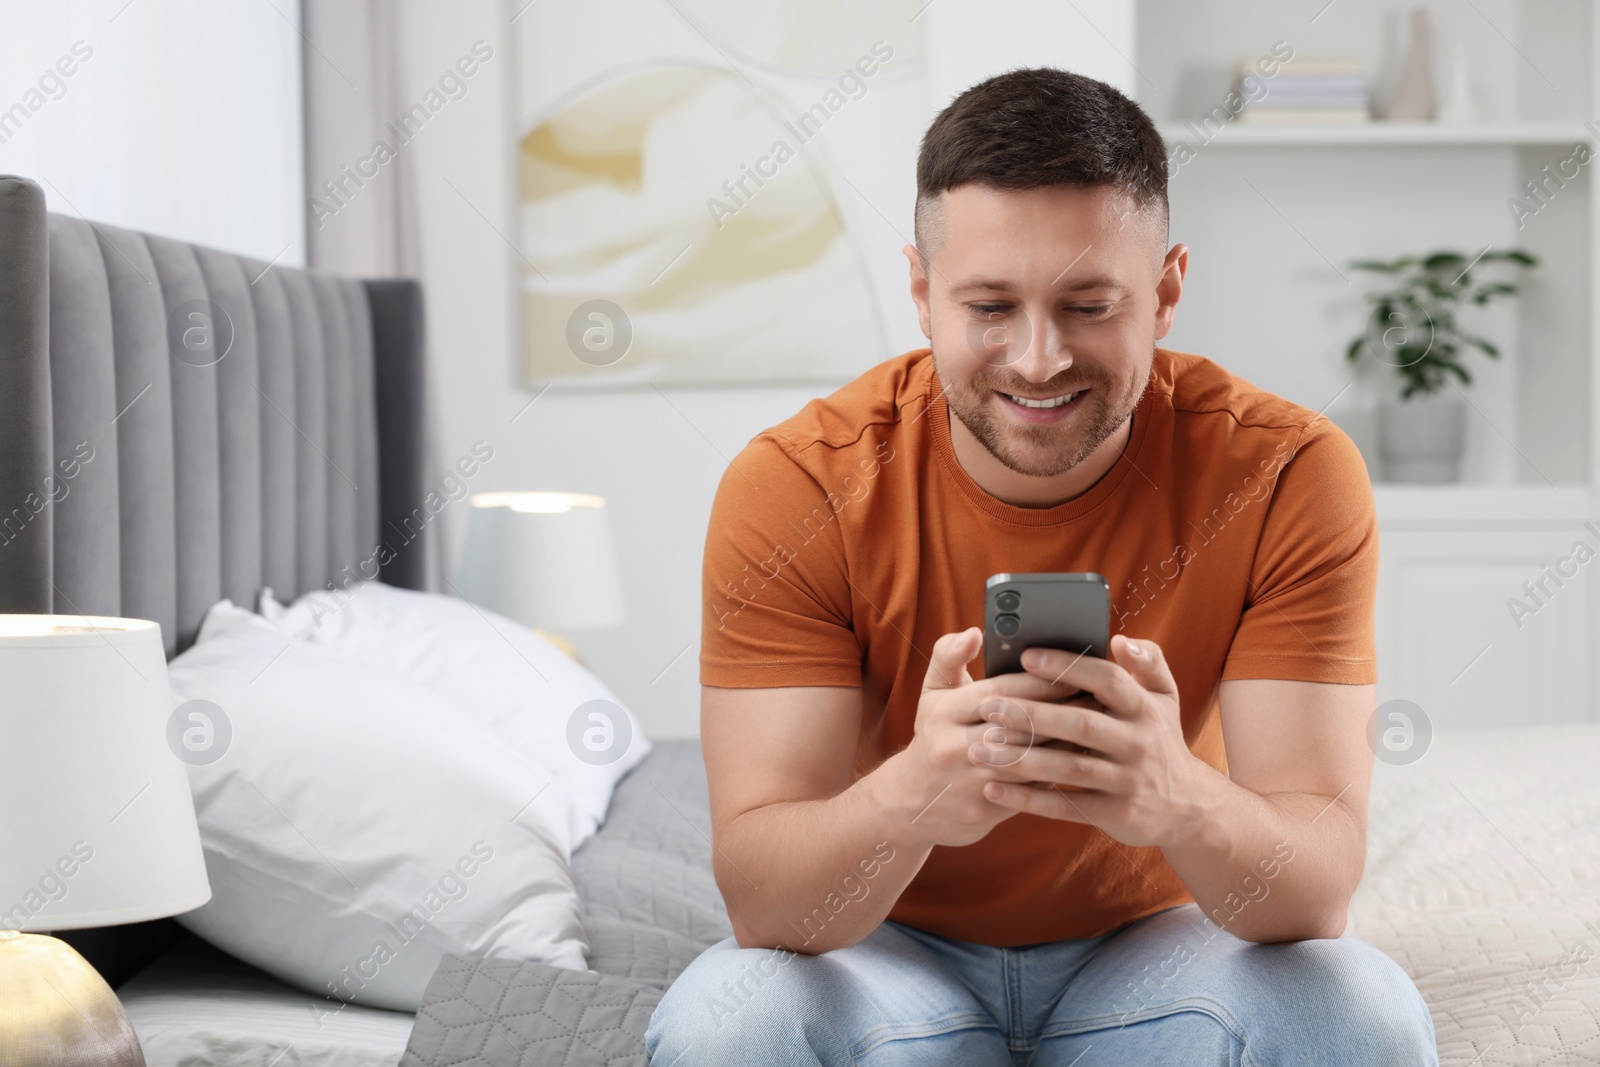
{"points": [[544, 559]]}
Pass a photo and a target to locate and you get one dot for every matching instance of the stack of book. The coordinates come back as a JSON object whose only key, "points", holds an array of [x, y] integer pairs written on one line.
{"points": [[1304, 90]]}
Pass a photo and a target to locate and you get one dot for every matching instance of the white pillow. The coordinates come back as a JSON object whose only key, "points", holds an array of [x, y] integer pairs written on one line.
{"points": [[498, 671], [356, 827]]}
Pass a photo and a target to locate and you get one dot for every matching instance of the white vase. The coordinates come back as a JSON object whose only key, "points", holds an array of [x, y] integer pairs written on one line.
{"points": [[1459, 105], [1413, 100], [1422, 440]]}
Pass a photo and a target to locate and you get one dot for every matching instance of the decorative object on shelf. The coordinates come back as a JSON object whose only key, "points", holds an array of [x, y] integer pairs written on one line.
{"points": [[99, 828], [1459, 104], [1413, 100], [1413, 329], [544, 559], [1305, 90]]}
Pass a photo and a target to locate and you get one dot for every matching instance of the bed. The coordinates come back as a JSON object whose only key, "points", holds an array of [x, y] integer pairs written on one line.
{"points": [[1483, 874], [1483, 881], [1461, 845]]}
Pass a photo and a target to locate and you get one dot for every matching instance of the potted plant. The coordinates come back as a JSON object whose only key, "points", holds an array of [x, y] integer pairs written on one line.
{"points": [[1412, 328]]}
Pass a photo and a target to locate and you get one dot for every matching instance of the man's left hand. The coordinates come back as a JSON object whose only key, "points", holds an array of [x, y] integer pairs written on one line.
{"points": [[1118, 743]]}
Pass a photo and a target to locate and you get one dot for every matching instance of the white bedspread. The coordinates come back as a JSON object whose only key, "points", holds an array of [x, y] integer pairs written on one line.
{"points": [[1483, 881], [197, 1005]]}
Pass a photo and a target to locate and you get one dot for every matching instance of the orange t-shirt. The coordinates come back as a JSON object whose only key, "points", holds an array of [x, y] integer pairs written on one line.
{"points": [[1237, 531]]}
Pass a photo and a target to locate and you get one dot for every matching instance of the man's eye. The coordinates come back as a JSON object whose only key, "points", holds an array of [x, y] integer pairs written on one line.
{"points": [[1089, 311], [989, 311]]}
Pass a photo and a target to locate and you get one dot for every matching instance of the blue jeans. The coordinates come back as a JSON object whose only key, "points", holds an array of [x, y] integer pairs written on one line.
{"points": [[1171, 989]]}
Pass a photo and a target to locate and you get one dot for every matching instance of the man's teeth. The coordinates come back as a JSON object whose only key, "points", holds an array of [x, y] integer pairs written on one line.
{"points": [[1053, 402]]}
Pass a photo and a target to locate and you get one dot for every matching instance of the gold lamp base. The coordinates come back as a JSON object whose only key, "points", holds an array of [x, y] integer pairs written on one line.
{"points": [[561, 641], [56, 1010]]}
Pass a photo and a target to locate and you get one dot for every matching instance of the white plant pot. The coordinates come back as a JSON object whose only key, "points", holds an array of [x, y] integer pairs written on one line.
{"points": [[1422, 440]]}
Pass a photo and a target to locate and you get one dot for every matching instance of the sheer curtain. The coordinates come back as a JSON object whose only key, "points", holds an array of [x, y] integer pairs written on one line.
{"points": [[360, 205], [360, 208]]}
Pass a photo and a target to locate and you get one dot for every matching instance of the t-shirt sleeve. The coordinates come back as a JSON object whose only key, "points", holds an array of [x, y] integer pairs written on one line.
{"points": [[1313, 585], [776, 591]]}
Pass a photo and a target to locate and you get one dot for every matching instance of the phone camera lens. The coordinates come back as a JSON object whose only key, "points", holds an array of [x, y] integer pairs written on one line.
{"points": [[1008, 600], [1007, 625]]}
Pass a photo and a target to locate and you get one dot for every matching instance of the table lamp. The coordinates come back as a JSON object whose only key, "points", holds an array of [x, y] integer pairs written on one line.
{"points": [[544, 559], [97, 825]]}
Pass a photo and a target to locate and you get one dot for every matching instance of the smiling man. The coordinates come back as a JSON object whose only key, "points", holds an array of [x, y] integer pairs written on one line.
{"points": [[1140, 860]]}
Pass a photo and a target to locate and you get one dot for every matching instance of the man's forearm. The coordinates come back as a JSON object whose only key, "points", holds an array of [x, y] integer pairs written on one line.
{"points": [[1276, 867], [816, 875]]}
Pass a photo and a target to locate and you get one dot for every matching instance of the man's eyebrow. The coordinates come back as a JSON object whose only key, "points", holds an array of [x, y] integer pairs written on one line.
{"points": [[1068, 285]]}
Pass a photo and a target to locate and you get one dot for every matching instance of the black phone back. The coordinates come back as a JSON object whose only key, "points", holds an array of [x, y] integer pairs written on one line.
{"points": [[1068, 611]]}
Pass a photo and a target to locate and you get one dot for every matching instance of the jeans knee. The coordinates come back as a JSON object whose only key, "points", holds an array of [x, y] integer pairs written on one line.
{"points": [[1363, 1002], [1393, 1017], [727, 1005]]}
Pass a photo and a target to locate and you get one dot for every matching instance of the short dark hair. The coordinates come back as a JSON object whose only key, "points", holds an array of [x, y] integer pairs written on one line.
{"points": [[1037, 127]]}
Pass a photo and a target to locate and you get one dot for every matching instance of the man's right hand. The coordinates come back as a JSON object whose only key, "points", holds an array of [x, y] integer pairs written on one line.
{"points": [[933, 783]]}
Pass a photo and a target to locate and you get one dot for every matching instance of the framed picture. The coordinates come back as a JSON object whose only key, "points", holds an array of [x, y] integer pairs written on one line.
{"points": [[685, 200]]}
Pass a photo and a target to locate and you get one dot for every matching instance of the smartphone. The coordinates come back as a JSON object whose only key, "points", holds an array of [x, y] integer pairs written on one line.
{"points": [[1071, 612]]}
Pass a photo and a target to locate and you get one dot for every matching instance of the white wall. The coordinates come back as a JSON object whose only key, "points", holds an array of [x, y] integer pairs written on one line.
{"points": [[655, 456], [180, 117], [969, 41]]}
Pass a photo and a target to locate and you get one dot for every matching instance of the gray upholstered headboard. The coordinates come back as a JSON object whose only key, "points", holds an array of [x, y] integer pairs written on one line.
{"points": [[140, 478]]}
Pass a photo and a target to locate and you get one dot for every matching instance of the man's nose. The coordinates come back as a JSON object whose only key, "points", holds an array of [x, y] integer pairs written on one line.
{"points": [[1041, 349]]}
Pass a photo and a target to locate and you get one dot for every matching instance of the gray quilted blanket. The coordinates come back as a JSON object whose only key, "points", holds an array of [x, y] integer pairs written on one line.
{"points": [[651, 906]]}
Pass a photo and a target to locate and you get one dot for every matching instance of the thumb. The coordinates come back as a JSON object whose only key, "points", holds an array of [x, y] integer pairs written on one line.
{"points": [[1146, 662], [947, 667]]}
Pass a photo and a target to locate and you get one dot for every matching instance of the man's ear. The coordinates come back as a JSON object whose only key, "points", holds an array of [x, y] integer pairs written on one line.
{"points": [[919, 290], [1169, 287]]}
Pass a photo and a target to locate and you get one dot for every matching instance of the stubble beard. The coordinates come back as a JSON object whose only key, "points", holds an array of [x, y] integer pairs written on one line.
{"points": [[1045, 451]]}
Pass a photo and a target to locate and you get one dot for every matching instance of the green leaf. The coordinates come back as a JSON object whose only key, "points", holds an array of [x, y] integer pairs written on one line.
{"points": [[1489, 292], [1440, 261], [1379, 265]]}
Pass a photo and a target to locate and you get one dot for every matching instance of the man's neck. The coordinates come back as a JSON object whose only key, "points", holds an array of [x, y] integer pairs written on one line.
{"points": [[1030, 491]]}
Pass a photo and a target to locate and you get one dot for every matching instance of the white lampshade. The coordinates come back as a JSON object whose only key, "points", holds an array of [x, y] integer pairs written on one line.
{"points": [[97, 825], [544, 559]]}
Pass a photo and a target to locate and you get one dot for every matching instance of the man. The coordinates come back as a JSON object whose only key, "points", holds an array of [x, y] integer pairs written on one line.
{"points": [[1140, 860]]}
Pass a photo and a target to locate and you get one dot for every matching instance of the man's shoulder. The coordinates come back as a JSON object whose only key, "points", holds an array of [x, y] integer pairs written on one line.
{"points": [[1216, 412], [1208, 398], [865, 410]]}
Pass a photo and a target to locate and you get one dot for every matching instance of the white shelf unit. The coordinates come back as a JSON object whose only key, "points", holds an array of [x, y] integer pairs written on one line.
{"points": [[1452, 563], [1274, 215], [1310, 198]]}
